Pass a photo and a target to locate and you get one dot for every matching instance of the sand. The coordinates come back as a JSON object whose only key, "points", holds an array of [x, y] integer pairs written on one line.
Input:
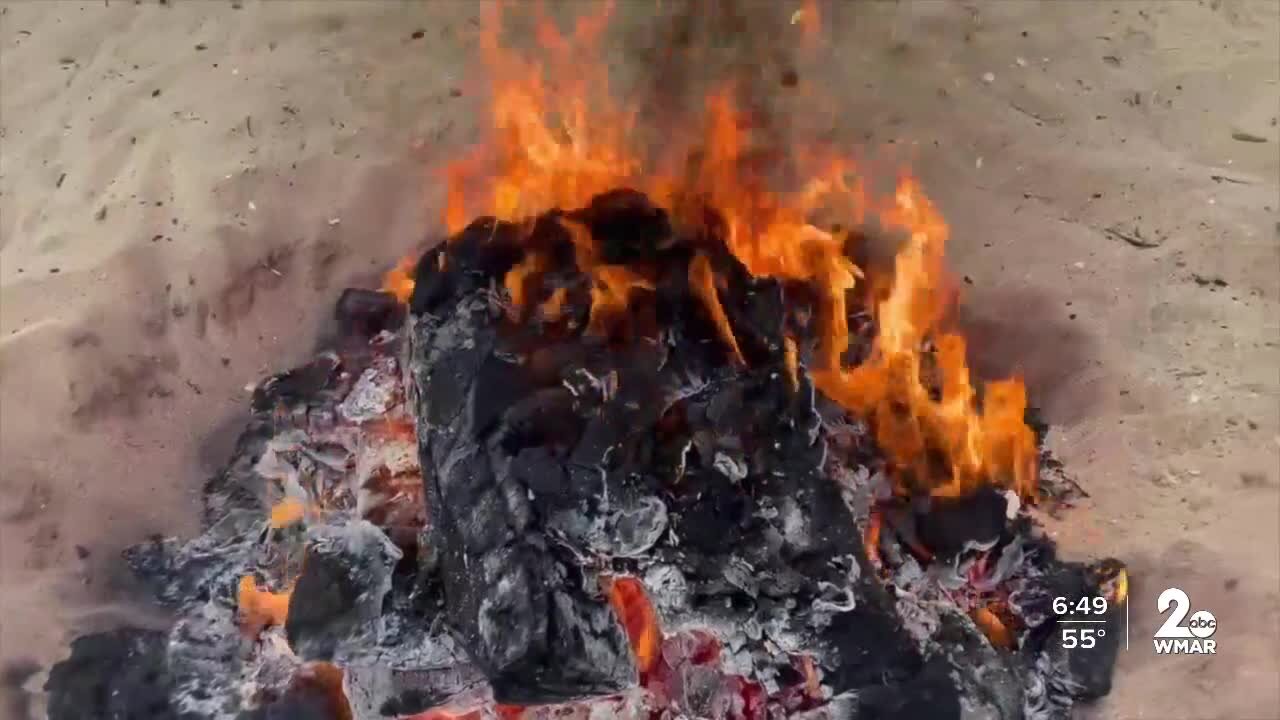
{"points": [[184, 188]]}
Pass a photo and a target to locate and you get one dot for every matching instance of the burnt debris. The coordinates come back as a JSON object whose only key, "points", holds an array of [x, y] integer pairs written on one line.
{"points": [[120, 673], [338, 598], [555, 482]]}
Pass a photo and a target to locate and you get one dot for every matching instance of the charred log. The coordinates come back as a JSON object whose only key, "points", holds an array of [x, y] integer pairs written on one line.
{"points": [[528, 473], [524, 611]]}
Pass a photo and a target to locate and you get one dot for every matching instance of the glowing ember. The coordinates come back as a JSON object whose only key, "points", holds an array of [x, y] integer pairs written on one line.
{"points": [[635, 612], [287, 512], [325, 681], [994, 628], [502, 712]]}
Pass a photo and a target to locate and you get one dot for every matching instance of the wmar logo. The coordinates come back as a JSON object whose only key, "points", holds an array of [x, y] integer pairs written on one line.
{"points": [[1194, 638]]}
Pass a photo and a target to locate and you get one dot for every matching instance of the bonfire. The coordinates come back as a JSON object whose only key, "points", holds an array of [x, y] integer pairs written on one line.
{"points": [[627, 443]]}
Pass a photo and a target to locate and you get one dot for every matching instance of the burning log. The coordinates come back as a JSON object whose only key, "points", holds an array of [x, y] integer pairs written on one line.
{"points": [[532, 468]]}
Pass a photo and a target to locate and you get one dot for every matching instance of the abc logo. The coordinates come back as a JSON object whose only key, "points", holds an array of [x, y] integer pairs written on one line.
{"points": [[1202, 624]]}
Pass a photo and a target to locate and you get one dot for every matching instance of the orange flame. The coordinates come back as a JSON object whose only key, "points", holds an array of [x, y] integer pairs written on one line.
{"points": [[287, 512], [629, 600], [791, 360], [812, 681], [991, 445], [611, 288], [703, 282], [553, 308], [399, 281], [519, 279], [259, 608], [557, 141], [871, 538]]}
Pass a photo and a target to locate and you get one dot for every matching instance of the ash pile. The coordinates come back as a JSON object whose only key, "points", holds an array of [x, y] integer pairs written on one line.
{"points": [[585, 473]]}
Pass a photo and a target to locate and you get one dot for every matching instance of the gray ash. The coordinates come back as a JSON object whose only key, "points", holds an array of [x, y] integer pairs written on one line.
{"points": [[458, 495]]}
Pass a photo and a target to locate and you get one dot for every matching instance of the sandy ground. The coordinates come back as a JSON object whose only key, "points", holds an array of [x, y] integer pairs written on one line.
{"points": [[184, 188]]}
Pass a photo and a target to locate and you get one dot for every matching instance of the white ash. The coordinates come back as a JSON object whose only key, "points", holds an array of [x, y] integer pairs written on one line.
{"points": [[667, 587], [208, 661], [368, 686], [740, 574], [272, 669], [795, 524], [276, 463], [630, 527], [919, 617], [374, 392], [732, 466]]}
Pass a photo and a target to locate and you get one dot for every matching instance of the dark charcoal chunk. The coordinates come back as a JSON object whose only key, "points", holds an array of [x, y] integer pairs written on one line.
{"points": [[337, 601], [155, 562], [519, 609], [1034, 418], [409, 702], [295, 386], [931, 695], [482, 253], [950, 523], [116, 675], [498, 385], [756, 308], [365, 313], [630, 228]]}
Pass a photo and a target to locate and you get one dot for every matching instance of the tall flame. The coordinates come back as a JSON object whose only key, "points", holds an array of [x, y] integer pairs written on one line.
{"points": [[557, 140]]}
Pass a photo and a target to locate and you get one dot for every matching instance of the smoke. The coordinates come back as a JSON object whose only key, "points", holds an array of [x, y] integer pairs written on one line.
{"points": [[675, 55]]}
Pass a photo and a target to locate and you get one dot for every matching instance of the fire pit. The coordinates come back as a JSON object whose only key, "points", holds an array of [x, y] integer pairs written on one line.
{"points": [[628, 445]]}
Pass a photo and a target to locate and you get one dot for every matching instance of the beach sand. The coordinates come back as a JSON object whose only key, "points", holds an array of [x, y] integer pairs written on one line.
{"points": [[186, 187]]}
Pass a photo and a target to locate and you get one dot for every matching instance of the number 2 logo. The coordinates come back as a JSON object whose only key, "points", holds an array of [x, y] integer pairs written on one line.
{"points": [[1172, 627]]}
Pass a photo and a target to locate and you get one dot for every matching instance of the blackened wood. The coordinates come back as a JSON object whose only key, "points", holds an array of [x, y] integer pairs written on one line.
{"points": [[526, 616], [950, 524], [525, 460]]}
